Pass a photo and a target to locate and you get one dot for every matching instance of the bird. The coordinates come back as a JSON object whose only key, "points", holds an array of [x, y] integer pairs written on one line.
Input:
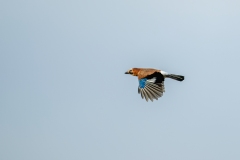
{"points": [[151, 81]]}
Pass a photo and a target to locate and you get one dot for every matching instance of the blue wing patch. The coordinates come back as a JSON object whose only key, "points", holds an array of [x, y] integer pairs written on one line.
{"points": [[142, 82]]}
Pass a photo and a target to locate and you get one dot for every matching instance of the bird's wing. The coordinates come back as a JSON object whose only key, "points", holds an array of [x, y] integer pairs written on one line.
{"points": [[152, 86]]}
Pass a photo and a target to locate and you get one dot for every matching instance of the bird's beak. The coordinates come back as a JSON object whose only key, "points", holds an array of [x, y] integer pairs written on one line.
{"points": [[127, 72]]}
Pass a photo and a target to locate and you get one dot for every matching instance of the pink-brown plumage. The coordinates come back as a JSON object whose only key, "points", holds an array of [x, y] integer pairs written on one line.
{"points": [[144, 72]]}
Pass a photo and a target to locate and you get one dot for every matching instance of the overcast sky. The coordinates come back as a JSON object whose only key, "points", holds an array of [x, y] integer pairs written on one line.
{"points": [[64, 94]]}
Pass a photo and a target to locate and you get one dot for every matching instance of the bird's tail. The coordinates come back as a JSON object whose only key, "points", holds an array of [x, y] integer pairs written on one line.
{"points": [[176, 77]]}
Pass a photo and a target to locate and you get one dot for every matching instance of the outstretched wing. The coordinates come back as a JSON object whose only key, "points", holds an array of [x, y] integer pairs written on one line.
{"points": [[152, 86]]}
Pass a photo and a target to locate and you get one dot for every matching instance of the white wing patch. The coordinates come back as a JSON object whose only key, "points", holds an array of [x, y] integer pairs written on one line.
{"points": [[153, 80]]}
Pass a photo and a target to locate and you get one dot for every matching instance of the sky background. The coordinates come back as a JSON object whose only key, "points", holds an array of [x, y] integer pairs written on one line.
{"points": [[64, 94]]}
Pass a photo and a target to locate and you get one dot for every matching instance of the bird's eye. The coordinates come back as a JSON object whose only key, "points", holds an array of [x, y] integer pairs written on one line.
{"points": [[130, 72]]}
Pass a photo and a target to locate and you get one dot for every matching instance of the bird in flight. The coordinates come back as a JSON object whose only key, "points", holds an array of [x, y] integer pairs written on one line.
{"points": [[151, 81]]}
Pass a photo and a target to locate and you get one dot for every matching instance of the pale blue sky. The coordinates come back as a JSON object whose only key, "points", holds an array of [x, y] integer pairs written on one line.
{"points": [[64, 94]]}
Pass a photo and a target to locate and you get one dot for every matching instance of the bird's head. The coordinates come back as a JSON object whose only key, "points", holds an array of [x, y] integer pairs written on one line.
{"points": [[133, 71]]}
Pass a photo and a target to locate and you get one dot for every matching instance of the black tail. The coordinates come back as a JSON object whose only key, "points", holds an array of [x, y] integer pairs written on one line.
{"points": [[176, 77]]}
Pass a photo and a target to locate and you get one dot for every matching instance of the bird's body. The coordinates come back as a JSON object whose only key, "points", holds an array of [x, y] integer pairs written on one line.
{"points": [[151, 81]]}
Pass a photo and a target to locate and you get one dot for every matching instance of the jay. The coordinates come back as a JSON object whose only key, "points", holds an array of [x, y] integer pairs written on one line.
{"points": [[151, 81]]}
